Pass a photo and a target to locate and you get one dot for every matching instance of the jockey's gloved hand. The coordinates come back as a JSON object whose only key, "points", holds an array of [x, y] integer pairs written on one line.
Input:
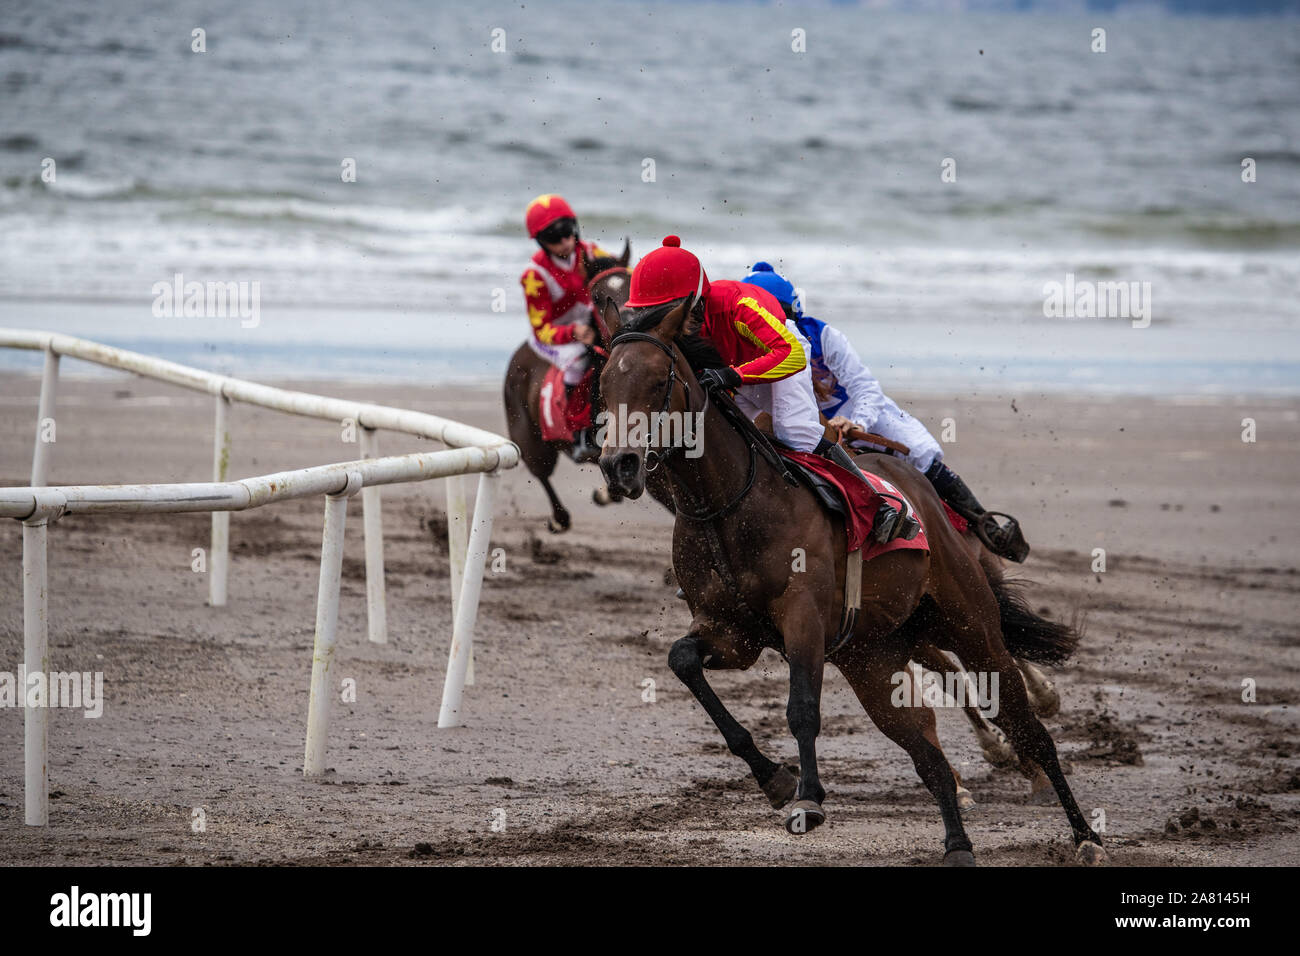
{"points": [[715, 379]]}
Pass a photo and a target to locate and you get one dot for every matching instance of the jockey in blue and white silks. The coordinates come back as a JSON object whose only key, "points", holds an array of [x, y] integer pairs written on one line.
{"points": [[848, 394]]}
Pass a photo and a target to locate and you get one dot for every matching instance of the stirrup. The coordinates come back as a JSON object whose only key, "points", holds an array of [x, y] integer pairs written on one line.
{"points": [[1004, 540], [891, 523]]}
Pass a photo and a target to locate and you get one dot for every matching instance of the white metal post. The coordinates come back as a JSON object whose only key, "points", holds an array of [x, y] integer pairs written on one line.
{"points": [[373, 522], [462, 637], [36, 658], [457, 543], [219, 558], [327, 625], [44, 412]]}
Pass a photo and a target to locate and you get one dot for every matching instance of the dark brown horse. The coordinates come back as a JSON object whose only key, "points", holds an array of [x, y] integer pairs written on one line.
{"points": [[738, 524], [607, 280]]}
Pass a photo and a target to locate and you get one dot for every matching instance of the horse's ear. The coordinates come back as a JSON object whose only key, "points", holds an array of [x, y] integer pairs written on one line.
{"points": [[626, 257], [671, 326], [613, 320]]}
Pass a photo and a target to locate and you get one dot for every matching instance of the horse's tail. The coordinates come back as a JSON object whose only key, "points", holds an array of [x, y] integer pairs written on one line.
{"points": [[1027, 635]]}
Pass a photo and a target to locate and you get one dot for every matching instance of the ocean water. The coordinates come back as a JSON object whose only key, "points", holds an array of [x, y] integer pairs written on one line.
{"points": [[225, 165]]}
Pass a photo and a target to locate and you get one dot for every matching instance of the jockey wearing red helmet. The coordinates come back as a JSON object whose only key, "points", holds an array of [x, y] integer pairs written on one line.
{"points": [[767, 360], [559, 307], [555, 289]]}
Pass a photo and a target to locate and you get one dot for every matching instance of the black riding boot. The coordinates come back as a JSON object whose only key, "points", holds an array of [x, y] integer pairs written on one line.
{"points": [[1003, 539], [890, 523], [584, 448]]}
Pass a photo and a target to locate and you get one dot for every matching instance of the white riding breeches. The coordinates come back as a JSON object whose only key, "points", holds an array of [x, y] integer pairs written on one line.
{"points": [[897, 425], [792, 403], [571, 356]]}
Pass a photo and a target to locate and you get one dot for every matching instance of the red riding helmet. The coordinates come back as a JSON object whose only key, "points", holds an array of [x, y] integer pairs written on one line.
{"points": [[544, 210], [667, 273]]}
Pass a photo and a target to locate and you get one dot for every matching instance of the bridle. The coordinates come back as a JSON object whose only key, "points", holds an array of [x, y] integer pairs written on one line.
{"points": [[591, 284], [605, 273], [652, 463]]}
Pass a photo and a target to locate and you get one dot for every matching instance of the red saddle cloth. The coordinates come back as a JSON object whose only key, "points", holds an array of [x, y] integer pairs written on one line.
{"points": [[954, 519], [562, 414], [862, 504]]}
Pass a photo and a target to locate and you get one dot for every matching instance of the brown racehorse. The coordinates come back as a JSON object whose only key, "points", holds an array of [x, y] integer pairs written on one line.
{"points": [[739, 522], [607, 278]]}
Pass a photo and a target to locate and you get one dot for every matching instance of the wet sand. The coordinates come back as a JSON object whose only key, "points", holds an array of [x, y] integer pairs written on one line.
{"points": [[206, 708]]}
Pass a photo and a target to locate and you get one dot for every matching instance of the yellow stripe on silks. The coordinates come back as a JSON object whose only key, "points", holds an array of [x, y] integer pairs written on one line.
{"points": [[793, 362]]}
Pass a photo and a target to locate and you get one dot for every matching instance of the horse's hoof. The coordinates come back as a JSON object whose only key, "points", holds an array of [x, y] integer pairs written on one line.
{"points": [[554, 527], [1044, 698], [1046, 704], [805, 815], [781, 788], [1090, 854], [602, 497], [996, 748], [1041, 792], [959, 858], [1000, 754], [964, 799]]}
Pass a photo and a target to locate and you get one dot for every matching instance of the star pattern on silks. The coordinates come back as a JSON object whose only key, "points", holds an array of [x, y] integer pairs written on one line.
{"points": [[532, 284]]}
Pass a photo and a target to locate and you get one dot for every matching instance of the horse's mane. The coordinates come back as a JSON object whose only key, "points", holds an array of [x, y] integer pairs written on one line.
{"points": [[699, 353], [647, 317]]}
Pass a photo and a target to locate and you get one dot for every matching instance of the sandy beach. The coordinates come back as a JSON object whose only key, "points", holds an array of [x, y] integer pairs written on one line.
{"points": [[560, 759]]}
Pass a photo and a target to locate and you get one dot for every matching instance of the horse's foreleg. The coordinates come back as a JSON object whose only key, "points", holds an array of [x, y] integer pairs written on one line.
{"points": [[803, 711], [687, 662]]}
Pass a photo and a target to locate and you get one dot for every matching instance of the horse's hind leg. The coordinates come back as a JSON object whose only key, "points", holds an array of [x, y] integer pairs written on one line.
{"points": [[686, 660], [983, 652], [871, 672], [965, 801], [1043, 696], [993, 743]]}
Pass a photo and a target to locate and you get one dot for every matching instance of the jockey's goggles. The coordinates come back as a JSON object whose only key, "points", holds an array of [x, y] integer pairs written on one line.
{"points": [[560, 229]]}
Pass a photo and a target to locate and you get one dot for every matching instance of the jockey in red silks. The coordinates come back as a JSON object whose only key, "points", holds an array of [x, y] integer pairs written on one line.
{"points": [[559, 306], [767, 361]]}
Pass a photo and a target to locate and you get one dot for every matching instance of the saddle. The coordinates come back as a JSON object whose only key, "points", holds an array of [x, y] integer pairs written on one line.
{"points": [[827, 494]]}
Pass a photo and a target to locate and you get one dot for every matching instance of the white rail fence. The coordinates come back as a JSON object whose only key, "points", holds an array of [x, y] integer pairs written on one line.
{"points": [[470, 451]]}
